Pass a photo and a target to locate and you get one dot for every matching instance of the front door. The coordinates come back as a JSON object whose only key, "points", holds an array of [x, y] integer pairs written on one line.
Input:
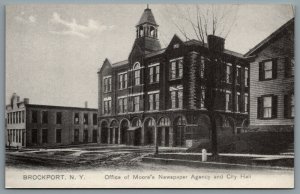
{"points": [[94, 136], [85, 136], [76, 136]]}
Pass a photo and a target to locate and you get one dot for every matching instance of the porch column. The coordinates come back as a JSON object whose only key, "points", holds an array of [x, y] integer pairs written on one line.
{"points": [[108, 136], [143, 135], [119, 135], [114, 135], [171, 137]]}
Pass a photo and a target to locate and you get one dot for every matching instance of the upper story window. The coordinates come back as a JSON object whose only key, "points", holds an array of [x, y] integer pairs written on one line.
{"points": [[123, 80], [107, 106], [246, 76], [153, 101], [246, 103], [23, 116], [86, 118], [228, 101], [267, 69], [137, 73], [229, 73], [202, 101], [94, 119], [176, 94], [76, 118], [44, 116], [175, 46], [238, 102], [58, 117], [267, 107], [136, 103], [154, 73], [122, 105], [238, 75], [34, 116], [176, 68], [202, 67], [107, 84]]}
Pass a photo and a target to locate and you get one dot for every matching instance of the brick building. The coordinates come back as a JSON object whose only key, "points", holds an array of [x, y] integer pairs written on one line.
{"points": [[157, 95], [272, 81], [42, 125]]}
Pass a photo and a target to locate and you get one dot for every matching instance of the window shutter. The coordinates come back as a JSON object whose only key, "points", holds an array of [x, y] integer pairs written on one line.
{"points": [[261, 73], [259, 107], [274, 106], [286, 106], [287, 69], [274, 68]]}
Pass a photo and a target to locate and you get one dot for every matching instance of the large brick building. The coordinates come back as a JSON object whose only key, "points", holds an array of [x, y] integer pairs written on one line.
{"points": [[43, 125], [272, 81], [157, 95]]}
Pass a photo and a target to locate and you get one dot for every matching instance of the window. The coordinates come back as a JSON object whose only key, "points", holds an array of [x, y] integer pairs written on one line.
{"points": [[238, 75], [122, 81], [34, 116], [202, 67], [228, 104], [58, 117], [137, 73], [246, 76], [202, 101], [122, 105], [175, 46], [107, 106], [267, 69], [86, 118], [14, 117], [136, 104], [44, 135], [267, 107], [176, 97], [229, 73], [154, 101], [34, 136], [19, 115], [44, 117], [76, 118], [176, 68], [154, 73], [23, 116], [246, 103], [107, 84], [58, 136], [94, 119], [292, 105], [238, 102]]}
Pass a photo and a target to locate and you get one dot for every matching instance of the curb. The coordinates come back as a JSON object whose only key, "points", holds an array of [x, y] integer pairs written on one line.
{"points": [[190, 163]]}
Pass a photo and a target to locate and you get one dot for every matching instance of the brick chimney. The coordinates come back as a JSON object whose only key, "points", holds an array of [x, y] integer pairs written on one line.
{"points": [[86, 104], [215, 43], [26, 100]]}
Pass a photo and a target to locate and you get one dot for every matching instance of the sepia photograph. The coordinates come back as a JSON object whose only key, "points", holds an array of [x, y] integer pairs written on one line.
{"points": [[149, 95]]}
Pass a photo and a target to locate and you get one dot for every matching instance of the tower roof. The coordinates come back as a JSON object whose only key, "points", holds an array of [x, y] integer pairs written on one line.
{"points": [[147, 17]]}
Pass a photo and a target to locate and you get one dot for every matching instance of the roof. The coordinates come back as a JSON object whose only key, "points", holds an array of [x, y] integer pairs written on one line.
{"points": [[147, 17], [154, 53], [199, 43], [60, 107], [120, 63], [270, 37]]}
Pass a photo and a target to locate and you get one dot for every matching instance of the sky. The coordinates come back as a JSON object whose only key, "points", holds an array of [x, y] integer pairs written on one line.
{"points": [[53, 52]]}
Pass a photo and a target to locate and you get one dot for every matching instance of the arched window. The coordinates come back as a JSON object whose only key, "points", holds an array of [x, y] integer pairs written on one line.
{"points": [[164, 122], [152, 31], [136, 122], [137, 73]]}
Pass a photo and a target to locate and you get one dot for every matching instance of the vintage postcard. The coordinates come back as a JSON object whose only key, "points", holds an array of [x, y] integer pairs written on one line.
{"points": [[150, 96]]}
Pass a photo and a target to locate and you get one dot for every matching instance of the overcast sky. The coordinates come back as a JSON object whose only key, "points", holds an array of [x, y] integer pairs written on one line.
{"points": [[53, 53]]}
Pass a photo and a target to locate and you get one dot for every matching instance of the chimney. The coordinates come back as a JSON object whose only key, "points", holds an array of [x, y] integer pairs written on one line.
{"points": [[86, 104], [26, 100], [215, 43]]}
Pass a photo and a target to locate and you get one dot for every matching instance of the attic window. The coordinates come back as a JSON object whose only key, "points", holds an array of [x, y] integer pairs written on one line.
{"points": [[176, 46]]}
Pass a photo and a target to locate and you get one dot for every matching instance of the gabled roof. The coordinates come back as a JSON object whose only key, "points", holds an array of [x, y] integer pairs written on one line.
{"points": [[120, 63], [252, 51], [147, 17]]}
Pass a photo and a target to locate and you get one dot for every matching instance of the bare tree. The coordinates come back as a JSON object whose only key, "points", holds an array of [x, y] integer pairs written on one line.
{"points": [[200, 21]]}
